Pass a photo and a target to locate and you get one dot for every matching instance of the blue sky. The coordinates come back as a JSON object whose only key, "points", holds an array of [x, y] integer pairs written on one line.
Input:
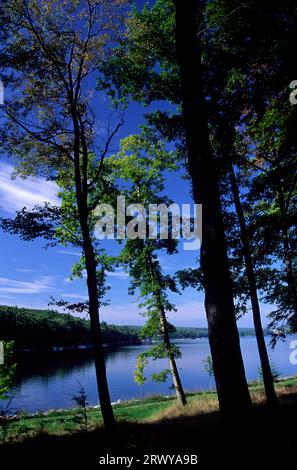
{"points": [[30, 274]]}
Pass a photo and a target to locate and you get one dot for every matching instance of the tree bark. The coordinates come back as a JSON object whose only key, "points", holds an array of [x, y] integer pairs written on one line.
{"points": [[180, 394], [99, 359], [81, 190], [271, 397], [228, 366]]}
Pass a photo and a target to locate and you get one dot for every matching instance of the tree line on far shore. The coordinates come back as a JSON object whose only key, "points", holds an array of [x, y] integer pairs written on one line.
{"points": [[47, 328]]}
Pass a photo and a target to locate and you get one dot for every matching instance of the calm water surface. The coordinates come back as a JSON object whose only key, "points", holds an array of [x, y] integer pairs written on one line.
{"points": [[48, 381]]}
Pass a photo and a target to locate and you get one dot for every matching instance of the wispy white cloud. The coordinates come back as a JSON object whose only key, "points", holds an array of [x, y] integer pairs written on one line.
{"points": [[74, 296], [118, 274], [68, 252], [18, 193], [39, 285]]}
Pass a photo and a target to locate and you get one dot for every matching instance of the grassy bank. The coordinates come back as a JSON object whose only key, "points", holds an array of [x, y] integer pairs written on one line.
{"points": [[150, 410], [158, 426]]}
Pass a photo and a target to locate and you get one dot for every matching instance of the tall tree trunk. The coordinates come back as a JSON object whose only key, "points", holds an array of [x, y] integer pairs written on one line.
{"points": [[81, 190], [99, 359], [180, 394], [266, 370], [228, 366]]}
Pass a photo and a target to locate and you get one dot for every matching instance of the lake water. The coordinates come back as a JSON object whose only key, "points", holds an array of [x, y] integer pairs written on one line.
{"points": [[46, 381]]}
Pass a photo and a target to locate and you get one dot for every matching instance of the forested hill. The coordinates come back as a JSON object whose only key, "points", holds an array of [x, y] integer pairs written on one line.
{"points": [[46, 328], [192, 333]]}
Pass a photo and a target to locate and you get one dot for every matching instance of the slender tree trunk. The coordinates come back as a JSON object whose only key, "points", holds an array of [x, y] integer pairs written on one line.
{"points": [[81, 190], [265, 365], [180, 394], [99, 359], [228, 366]]}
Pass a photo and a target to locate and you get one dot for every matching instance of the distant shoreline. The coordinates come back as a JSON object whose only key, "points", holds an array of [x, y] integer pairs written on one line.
{"points": [[51, 331]]}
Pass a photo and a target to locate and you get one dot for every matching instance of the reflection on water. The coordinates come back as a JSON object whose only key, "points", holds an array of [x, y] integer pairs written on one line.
{"points": [[47, 381]]}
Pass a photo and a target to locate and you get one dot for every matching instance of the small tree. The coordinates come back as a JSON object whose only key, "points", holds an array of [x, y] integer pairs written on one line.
{"points": [[80, 399], [7, 373], [140, 165]]}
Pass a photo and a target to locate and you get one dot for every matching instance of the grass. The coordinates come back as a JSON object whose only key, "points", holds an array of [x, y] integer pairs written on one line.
{"points": [[152, 409], [68, 420], [158, 425]]}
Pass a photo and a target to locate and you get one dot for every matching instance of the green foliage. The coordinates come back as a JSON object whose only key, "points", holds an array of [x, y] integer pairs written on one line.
{"points": [[140, 166], [149, 46], [139, 369], [7, 370], [183, 332], [161, 377], [8, 419], [248, 59], [46, 328], [7, 374], [156, 352], [80, 399]]}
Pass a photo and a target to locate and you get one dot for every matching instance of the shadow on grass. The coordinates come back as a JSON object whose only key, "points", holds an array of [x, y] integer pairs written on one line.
{"points": [[266, 436]]}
